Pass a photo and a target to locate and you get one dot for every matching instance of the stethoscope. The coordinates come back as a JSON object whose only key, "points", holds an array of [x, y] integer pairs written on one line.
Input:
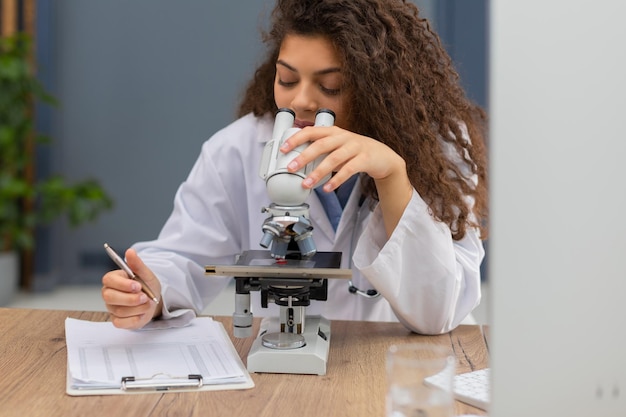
{"points": [[353, 289], [371, 293]]}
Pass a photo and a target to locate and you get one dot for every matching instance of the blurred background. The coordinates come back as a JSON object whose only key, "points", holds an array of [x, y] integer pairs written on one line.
{"points": [[140, 86]]}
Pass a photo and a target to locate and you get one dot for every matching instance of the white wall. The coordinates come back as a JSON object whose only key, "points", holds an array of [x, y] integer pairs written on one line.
{"points": [[558, 199]]}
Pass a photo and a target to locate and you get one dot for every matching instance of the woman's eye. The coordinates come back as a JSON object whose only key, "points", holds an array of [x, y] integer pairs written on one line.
{"points": [[286, 83], [330, 91]]}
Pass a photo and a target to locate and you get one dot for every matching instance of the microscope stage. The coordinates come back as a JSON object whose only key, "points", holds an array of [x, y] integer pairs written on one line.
{"points": [[260, 264]]}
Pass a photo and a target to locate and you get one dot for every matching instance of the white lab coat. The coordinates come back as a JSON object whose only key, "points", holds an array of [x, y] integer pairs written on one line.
{"points": [[428, 281]]}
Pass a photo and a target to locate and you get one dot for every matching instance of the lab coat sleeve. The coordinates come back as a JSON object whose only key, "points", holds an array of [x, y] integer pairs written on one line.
{"points": [[205, 227], [431, 281]]}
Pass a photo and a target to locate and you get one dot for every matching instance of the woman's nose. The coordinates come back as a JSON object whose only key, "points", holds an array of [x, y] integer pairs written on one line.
{"points": [[304, 99]]}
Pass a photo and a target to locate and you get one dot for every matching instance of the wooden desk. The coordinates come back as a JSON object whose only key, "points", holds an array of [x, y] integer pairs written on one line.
{"points": [[33, 364]]}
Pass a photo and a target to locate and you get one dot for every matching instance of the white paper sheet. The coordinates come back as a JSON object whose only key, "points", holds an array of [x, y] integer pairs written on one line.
{"points": [[100, 355]]}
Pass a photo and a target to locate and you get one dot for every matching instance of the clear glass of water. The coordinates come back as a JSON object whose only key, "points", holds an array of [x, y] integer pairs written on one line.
{"points": [[420, 380]]}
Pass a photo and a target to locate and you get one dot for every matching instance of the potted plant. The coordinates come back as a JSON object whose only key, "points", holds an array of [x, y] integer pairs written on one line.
{"points": [[26, 203]]}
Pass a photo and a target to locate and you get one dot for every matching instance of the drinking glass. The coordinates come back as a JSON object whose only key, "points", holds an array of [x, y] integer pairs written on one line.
{"points": [[420, 380]]}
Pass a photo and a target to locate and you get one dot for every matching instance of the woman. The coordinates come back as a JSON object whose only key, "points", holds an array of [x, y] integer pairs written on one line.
{"points": [[407, 200]]}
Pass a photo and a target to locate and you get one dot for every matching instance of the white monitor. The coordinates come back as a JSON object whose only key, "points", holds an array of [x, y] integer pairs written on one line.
{"points": [[557, 260]]}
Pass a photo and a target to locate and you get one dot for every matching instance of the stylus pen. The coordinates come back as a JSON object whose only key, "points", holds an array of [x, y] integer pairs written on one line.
{"points": [[120, 262]]}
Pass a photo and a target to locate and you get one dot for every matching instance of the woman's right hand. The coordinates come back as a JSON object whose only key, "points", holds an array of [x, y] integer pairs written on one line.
{"points": [[130, 308]]}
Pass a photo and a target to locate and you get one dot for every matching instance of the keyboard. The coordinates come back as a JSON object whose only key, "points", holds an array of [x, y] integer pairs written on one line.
{"points": [[471, 387]]}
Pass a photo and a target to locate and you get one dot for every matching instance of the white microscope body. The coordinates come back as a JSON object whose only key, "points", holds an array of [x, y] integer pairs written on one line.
{"points": [[289, 214], [290, 278]]}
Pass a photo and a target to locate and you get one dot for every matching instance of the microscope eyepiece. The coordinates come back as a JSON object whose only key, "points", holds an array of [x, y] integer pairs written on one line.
{"points": [[329, 111], [286, 109], [324, 117]]}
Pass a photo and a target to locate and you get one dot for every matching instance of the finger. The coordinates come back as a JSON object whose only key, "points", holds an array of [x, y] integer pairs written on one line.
{"points": [[130, 323], [343, 174], [339, 161], [114, 298], [320, 150], [307, 134], [119, 281], [123, 311]]}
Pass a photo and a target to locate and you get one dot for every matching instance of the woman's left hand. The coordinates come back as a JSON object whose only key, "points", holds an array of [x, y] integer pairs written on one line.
{"points": [[348, 153]]}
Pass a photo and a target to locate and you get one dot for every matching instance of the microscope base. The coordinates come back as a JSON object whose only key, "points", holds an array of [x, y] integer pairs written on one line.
{"points": [[309, 359]]}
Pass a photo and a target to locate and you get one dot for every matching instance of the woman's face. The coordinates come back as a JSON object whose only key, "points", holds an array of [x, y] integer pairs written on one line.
{"points": [[309, 78]]}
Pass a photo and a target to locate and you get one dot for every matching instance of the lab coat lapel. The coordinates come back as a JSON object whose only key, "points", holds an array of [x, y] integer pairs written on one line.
{"points": [[320, 220]]}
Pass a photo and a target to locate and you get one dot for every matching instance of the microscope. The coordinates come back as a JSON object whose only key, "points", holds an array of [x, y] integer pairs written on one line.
{"points": [[292, 272]]}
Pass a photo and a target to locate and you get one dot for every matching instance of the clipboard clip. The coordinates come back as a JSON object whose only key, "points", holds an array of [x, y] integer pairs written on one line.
{"points": [[161, 382]]}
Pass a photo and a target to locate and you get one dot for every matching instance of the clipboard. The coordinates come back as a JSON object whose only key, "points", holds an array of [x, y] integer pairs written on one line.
{"points": [[158, 382], [132, 385]]}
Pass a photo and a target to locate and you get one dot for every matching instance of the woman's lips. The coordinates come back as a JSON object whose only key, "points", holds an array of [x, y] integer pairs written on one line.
{"points": [[302, 123]]}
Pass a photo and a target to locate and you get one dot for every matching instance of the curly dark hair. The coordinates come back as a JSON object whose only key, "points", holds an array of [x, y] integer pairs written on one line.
{"points": [[404, 92]]}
